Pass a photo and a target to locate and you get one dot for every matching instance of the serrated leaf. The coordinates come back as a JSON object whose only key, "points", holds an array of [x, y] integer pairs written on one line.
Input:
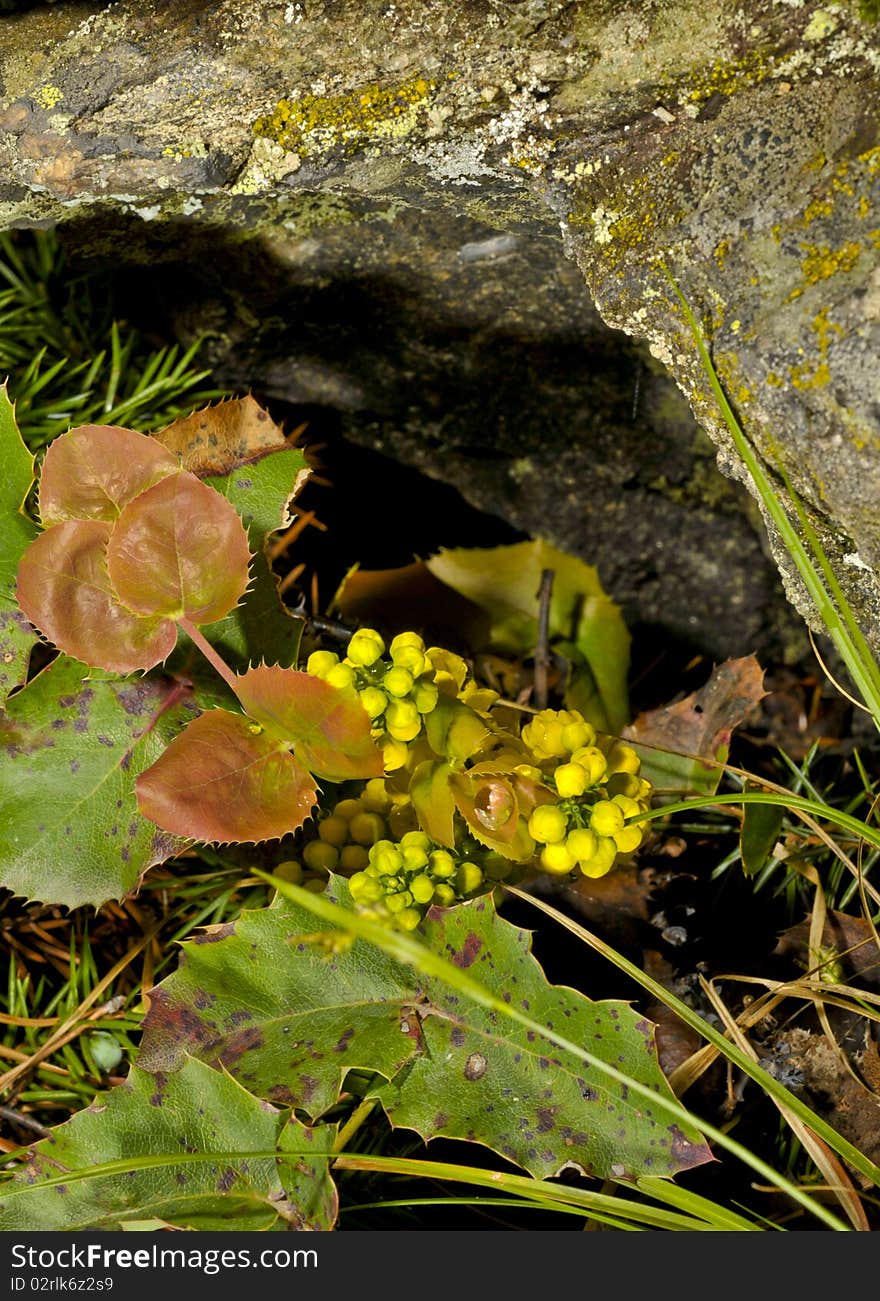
{"points": [[262, 488], [226, 779], [196, 1110], [179, 550], [433, 801], [70, 750], [260, 627], [327, 726], [92, 471], [505, 582], [683, 745], [64, 589], [467, 1074], [17, 531], [220, 438]]}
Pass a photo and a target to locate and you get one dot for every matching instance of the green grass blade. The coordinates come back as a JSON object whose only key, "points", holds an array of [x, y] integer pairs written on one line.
{"points": [[734, 1054]]}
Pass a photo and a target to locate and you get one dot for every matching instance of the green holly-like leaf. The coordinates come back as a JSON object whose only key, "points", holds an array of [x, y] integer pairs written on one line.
{"points": [[178, 549], [195, 1111], [226, 779], [327, 726], [64, 589], [17, 531], [585, 623], [70, 750], [256, 997], [260, 627], [93, 471]]}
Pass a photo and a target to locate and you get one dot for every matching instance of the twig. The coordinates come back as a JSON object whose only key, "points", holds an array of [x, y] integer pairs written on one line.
{"points": [[25, 1122], [542, 646]]}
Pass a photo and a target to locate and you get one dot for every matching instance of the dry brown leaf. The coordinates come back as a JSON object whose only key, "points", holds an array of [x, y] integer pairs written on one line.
{"points": [[218, 439]]}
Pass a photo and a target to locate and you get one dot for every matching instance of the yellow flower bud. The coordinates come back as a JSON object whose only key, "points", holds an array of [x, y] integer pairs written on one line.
{"points": [[346, 809], [365, 647], [623, 758], [548, 824], [592, 760], [407, 920], [290, 870], [571, 780], [628, 839], [341, 675], [398, 682], [602, 860], [353, 858], [334, 830], [321, 662], [402, 720], [374, 701], [320, 857], [405, 640], [557, 860], [576, 735], [468, 878], [394, 755], [581, 843], [606, 818], [366, 828], [444, 895]]}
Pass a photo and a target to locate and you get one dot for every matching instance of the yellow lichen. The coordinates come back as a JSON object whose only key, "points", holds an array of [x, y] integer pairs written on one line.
{"points": [[820, 261], [47, 96], [316, 123]]}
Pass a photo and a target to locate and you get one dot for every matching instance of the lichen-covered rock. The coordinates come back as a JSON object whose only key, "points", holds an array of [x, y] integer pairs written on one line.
{"points": [[371, 204]]}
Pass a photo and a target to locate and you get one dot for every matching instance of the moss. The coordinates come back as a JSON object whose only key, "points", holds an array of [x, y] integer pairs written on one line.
{"points": [[316, 123]]}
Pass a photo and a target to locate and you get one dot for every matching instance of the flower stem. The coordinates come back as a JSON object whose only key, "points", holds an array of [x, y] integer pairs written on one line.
{"points": [[211, 655]]}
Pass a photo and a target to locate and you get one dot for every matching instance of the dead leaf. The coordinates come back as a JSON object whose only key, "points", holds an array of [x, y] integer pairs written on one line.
{"points": [[851, 937], [411, 597], [697, 729], [218, 439]]}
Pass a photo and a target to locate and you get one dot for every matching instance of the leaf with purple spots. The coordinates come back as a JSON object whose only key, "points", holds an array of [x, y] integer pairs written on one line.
{"points": [[284, 1018], [196, 1111], [71, 748], [17, 531], [266, 1004]]}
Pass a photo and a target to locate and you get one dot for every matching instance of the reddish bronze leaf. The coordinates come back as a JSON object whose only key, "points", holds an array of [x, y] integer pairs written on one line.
{"points": [[328, 726], [179, 549], [64, 590], [94, 470], [226, 779]]}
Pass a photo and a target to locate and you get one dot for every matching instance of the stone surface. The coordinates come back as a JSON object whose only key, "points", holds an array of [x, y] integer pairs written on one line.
{"points": [[410, 213]]}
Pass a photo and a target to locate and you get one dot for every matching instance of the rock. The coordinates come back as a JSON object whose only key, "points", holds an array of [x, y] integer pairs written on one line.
{"points": [[427, 216]]}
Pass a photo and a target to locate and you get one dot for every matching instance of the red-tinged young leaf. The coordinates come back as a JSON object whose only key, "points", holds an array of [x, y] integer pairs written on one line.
{"points": [[94, 470], [433, 801], [490, 807], [327, 726], [179, 549], [226, 779], [64, 589]]}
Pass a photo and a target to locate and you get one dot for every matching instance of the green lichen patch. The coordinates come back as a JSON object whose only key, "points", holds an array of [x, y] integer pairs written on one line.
{"points": [[318, 123]]}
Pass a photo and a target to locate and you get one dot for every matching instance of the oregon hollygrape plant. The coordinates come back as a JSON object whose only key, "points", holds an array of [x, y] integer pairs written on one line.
{"points": [[410, 792], [134, 548]]}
